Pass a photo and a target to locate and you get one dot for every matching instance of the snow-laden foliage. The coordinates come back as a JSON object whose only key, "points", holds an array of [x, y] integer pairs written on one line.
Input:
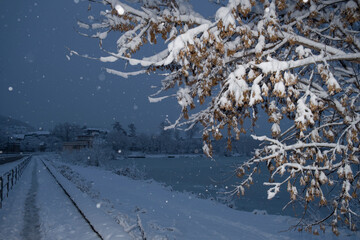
{"points": [[296, 60]]}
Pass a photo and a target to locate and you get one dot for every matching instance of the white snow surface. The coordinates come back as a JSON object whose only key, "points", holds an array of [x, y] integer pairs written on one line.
{"points": [[117, 204], [50, 216]]}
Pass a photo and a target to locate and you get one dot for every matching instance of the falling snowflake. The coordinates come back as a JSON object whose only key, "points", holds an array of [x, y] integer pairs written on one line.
{"points": [[102, 77]]}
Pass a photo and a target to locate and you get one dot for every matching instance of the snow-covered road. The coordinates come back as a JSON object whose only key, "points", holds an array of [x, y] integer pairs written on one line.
{"points": [[122, 208], [37, 208]]}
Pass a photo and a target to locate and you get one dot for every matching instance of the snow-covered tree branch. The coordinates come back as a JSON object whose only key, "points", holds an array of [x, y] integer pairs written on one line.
{"points": [[297, 60]]}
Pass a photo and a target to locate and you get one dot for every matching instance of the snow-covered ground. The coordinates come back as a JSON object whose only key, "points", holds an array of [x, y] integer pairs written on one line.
{"points": [[119, 207], [38, 209]]}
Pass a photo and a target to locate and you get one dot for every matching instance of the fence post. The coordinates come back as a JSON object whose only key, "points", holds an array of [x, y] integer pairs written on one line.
{"points": [[8, 184], [16, 174], [1, 190], [12, 178]]}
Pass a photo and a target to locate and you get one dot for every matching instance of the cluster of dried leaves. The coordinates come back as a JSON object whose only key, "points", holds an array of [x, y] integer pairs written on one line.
{"points": [[294, 60]]}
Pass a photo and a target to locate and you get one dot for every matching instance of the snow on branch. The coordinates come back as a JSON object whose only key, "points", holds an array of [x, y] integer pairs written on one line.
{"points": [[293, 60], [123, 74]]}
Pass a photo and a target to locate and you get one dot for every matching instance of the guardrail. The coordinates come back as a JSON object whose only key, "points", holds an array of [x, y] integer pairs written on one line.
{"points": [[10, 178], [10, 158]]}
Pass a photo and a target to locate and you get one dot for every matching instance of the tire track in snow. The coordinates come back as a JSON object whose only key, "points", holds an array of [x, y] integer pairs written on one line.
{"points": [[31, 228]]}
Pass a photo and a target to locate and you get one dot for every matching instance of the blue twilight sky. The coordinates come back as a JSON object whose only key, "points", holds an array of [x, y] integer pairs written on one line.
{"points": [[47, 88], [40, 86]]}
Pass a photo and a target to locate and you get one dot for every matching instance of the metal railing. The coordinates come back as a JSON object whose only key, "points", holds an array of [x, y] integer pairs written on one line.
{"points": [[11, 177]]}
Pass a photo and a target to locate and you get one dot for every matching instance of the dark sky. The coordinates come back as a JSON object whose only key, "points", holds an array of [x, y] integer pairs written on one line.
{"points": [[39, 85]]}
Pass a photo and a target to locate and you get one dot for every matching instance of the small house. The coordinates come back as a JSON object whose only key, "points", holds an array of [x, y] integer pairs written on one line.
{"points": [[83, 141]]}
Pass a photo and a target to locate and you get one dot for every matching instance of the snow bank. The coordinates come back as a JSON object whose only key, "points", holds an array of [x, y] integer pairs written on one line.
{"points": [[167, 214]]}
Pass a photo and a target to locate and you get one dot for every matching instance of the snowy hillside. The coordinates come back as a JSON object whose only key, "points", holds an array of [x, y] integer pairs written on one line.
{"points": [[11, 126]]}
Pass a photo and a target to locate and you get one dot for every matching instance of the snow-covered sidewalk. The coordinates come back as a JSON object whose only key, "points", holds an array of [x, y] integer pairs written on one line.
{"points": [[37, 208]]}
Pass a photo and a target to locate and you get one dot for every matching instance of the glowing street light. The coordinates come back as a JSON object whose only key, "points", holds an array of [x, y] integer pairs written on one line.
{"points": [[120, 10]]}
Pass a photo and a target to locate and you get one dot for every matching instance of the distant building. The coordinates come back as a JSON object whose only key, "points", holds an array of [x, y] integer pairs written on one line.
{"points": [[95, 131], [12, 147], [89, 137], [30, 141], [20, 137], [76, 145], [83, 141], [86, 138]]}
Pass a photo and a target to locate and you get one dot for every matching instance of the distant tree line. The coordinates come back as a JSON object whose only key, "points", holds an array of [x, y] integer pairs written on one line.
{"points": [[127, 139], [171, 141]]}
